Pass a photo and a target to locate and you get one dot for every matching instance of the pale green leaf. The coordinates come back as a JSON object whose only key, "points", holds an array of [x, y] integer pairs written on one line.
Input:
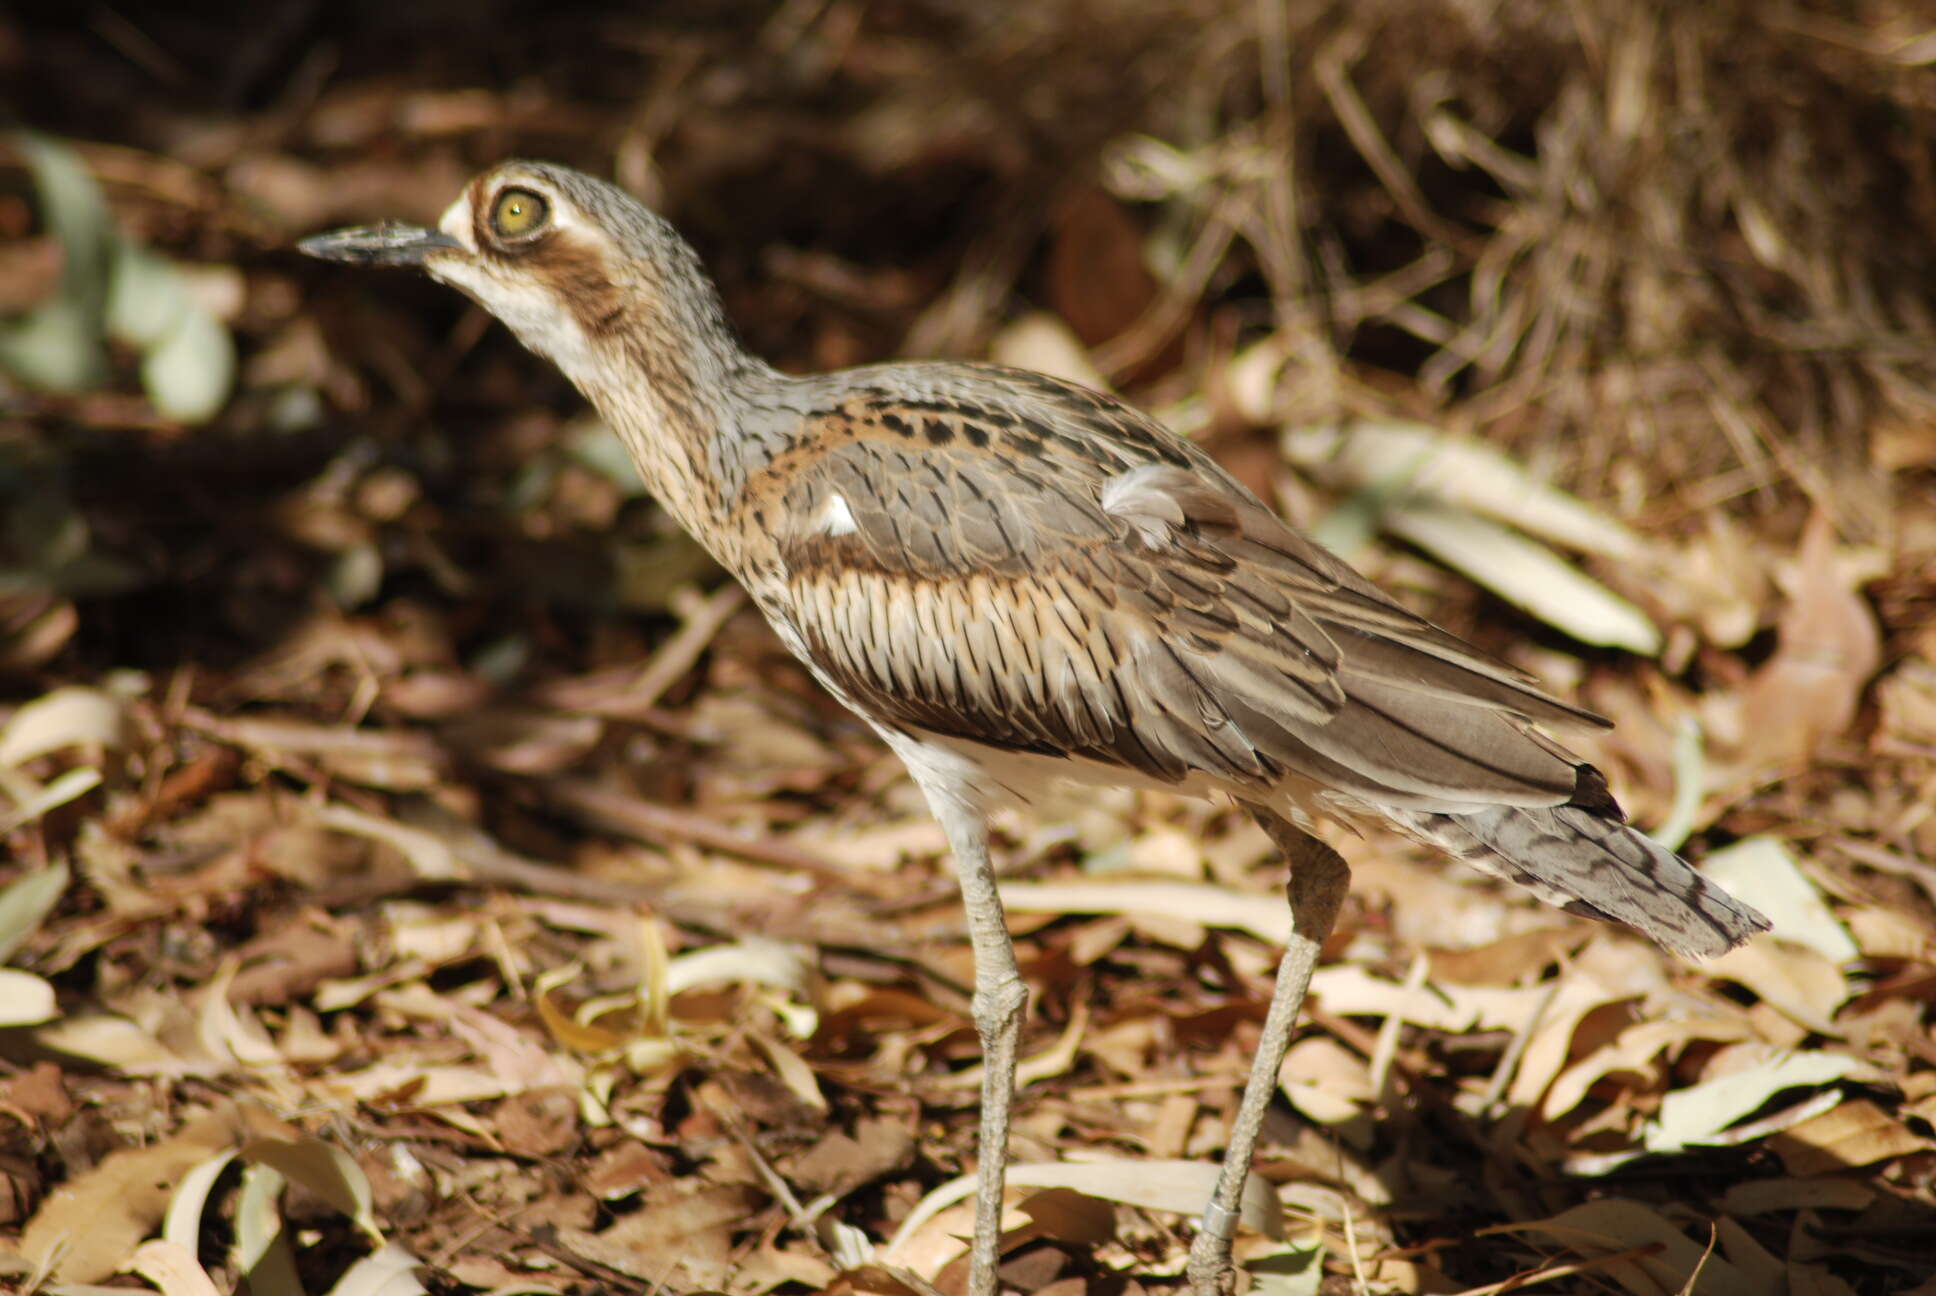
{"points": [[322, 1168], [390, 1272], [183, 1223], [1689, 1116], [1762, 872], [189, 373], [262, 1251], [27, 900], [1526, 575], [71, 716], [25, 999]]}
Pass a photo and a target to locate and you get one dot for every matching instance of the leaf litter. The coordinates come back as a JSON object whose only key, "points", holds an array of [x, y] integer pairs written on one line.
{"points": [[423, 872]]}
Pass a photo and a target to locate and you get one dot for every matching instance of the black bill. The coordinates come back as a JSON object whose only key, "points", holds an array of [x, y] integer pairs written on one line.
{"points": [[390, 243]]}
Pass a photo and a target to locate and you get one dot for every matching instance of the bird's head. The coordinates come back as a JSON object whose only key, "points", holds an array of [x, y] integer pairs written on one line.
{"points": [[580, 270]]}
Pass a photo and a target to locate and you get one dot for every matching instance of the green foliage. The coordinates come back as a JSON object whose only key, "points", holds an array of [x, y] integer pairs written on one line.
{"points": [[112, 288]]}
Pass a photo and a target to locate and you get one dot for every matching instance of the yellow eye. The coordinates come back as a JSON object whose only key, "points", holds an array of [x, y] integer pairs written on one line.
{"points": [[518, 212]]}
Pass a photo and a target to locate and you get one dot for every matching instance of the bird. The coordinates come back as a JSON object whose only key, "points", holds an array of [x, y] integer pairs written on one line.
{"points": [[1017, 581]]}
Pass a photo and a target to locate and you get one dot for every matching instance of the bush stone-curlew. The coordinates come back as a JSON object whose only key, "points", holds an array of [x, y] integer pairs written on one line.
{"points": [[1014, 579]]}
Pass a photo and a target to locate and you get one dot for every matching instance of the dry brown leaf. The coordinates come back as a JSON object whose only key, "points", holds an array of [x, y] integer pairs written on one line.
{"points": [[841, 1162], [1093, 941], [1718, 580], [1070, 1216], [1507, 961], [932, 1233], [1263, 916], [1906, 701], [517, 1058], [1827, 648], [1755, 1261], [537, 1122], [1055, 1060], [941, 1238], [567, 1031], [1459, 472], [624, 1169], [791, 1068], [683, 1231], [1331, 1085], [1167, 929], [1097, 279], [750, 736], [89, 1227], [1179, 1187], [411, 1085], [431, 937], [230, 1032], [123, 1045], [32, 801], [293, 959], [1891, 934], [1545, 1054], [1857, 1133], [25, 903], [776, 1265], [880, 847], [1353, 991], [334, 996], [1803, 984], [40, 1093], [172, 1268], [1526, 574], [1163, 851], [1815, 1280], [1768, 1196], [72, 716], [1612, 1225], [322, 1168], [1635, 1052]]}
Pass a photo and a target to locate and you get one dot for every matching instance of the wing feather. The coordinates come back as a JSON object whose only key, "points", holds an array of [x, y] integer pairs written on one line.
{"points": [[1069, 579]]}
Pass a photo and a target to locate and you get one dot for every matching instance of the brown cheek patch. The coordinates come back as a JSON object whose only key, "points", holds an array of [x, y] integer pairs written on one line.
{"points": [[580, 279]]}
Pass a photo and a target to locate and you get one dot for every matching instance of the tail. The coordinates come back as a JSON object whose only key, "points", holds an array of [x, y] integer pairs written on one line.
{"points": [[1585, 860]]}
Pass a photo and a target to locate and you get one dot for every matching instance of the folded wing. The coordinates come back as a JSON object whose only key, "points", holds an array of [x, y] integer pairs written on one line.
{"points": [[996, 569]]}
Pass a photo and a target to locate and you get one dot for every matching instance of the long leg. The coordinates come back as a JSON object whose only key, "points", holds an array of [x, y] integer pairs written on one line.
{"points": [[1000, 997], [1318, 882]]}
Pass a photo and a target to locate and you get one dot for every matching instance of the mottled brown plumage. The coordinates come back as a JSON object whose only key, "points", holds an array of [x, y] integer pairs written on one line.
{"points": [[1024, 565], [1016, 579]]}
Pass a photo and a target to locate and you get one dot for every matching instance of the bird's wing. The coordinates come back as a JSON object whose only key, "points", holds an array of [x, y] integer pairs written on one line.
{"points": [[1037, 567]]}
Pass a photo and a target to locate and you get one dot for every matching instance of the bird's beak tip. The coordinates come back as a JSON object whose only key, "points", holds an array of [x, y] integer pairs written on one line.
{"points": [[390, 243]]}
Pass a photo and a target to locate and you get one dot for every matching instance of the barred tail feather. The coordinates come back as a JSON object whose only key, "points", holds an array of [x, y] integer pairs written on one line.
{"points": [[1588, 863]]}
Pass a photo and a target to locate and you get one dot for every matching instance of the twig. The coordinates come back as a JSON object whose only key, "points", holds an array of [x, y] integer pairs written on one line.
{"points": [[648, 821], [632, 694], [681, 652], [1333, 76]]}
